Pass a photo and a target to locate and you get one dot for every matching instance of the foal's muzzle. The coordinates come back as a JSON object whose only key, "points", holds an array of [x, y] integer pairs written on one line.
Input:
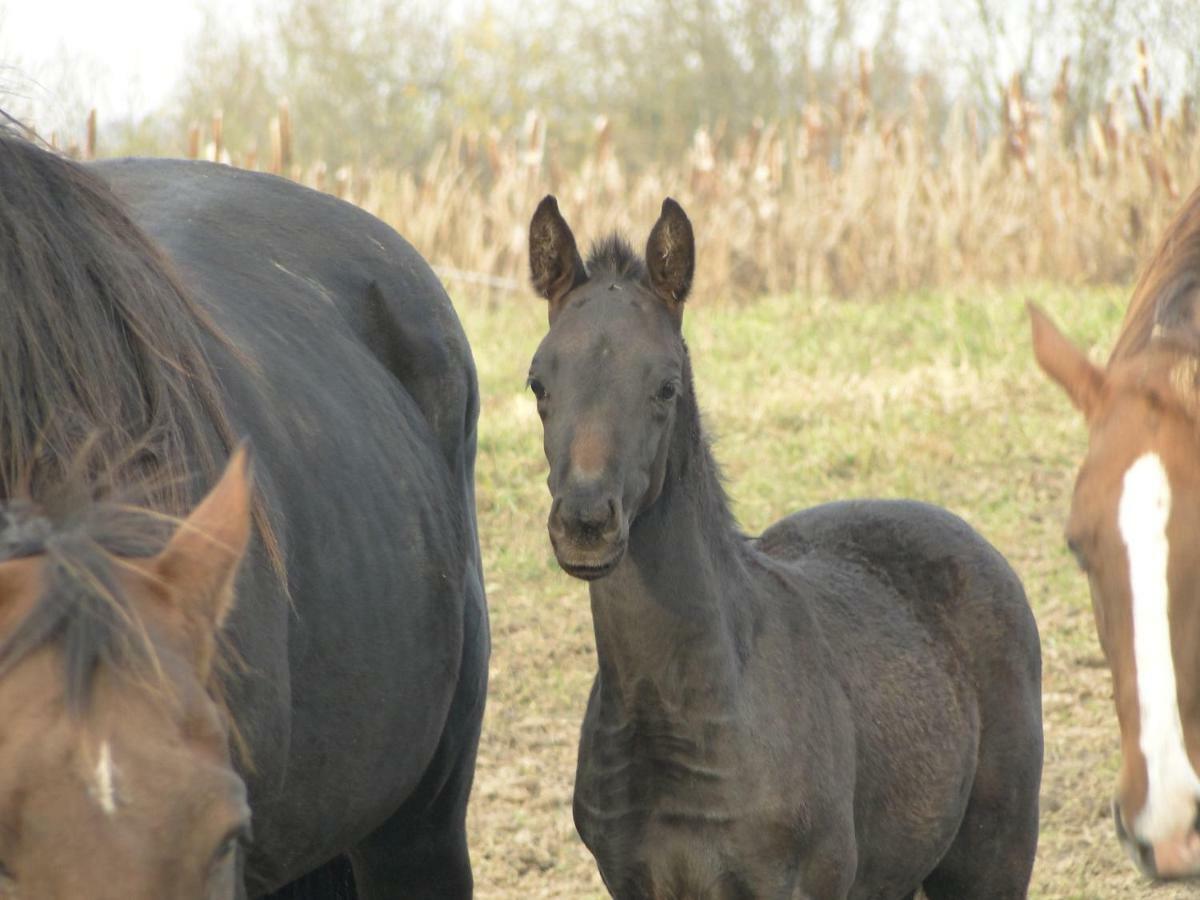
{"points": [[587, 533]]}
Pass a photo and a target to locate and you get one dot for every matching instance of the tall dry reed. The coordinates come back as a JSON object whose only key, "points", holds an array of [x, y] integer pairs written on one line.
{"points": [[844, 201]]}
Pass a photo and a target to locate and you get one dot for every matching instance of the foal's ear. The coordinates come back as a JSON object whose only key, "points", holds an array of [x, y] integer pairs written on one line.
{"points": [[671, 256], [554, 262], [199, 563], [1065, 363]]}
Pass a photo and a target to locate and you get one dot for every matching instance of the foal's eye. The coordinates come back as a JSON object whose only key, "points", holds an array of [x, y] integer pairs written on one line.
{"points": [[667, 391], [539, 389]]}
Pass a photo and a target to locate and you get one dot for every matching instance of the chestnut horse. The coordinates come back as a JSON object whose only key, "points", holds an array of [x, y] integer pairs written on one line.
{"points": [[175, 722], [847, 706], [1134, 527]]}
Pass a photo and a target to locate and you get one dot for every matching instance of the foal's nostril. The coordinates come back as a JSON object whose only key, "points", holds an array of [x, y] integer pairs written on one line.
{"points": [[603, 513], [595, 515]]}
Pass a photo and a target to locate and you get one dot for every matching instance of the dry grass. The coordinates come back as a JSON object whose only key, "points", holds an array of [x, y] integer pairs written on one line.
{"points": [[934, 396], [844, 200], [841, 204]]}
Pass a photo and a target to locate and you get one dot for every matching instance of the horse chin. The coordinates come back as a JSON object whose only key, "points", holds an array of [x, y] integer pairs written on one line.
{"points": [[587, 569]]}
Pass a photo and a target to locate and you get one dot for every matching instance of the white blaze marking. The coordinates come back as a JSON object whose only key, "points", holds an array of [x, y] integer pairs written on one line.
{"points": [[1172, 785], [103, 790]]}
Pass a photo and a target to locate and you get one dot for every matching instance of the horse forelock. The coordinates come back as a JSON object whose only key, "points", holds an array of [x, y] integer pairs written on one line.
{"points": [[613, 255], [23, 531], [82, 607]]}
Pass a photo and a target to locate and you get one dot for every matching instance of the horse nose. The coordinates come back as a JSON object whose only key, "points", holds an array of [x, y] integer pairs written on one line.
{"points": [[584, 515], [595, 514]]}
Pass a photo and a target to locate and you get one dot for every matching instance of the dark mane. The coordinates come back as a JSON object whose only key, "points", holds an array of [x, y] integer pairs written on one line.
{"points": [[699, 466], [106, 395], [1166, 293], [614, 256], [82, 608], [101, 343]]}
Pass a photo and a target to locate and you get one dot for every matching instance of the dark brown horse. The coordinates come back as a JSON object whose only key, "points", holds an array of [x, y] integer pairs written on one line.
{"points": [[1134, 527], [847, 706], [153, 313]]}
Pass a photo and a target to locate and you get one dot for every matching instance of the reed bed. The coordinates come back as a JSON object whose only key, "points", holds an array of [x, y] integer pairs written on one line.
{"points": [[844, 201]]}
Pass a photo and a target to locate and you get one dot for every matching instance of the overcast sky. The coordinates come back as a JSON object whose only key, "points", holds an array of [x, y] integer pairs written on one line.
{"points": [[128, 51]]}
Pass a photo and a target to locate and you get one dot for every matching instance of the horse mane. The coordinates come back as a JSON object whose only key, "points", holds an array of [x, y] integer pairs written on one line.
{"points": [[101, 343], [106, 393], [82, 609], [700, 466], [1165, 296], [614, 256]]}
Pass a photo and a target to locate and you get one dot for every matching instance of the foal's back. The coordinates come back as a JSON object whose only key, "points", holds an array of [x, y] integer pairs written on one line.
{"points": [[930, 635]]}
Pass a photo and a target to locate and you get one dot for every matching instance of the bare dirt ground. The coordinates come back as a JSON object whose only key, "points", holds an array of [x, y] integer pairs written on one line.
{"points": [[934, 397]]}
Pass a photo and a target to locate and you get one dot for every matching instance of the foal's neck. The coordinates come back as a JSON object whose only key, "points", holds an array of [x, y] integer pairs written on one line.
{"points": [[671, 615]]}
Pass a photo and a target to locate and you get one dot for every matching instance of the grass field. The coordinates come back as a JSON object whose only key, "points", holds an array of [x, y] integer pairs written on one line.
{"points": [[931, 396]]}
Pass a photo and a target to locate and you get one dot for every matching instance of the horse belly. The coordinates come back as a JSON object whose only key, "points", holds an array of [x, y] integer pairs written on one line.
{"points": [[372, 688], [378, 550]]}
